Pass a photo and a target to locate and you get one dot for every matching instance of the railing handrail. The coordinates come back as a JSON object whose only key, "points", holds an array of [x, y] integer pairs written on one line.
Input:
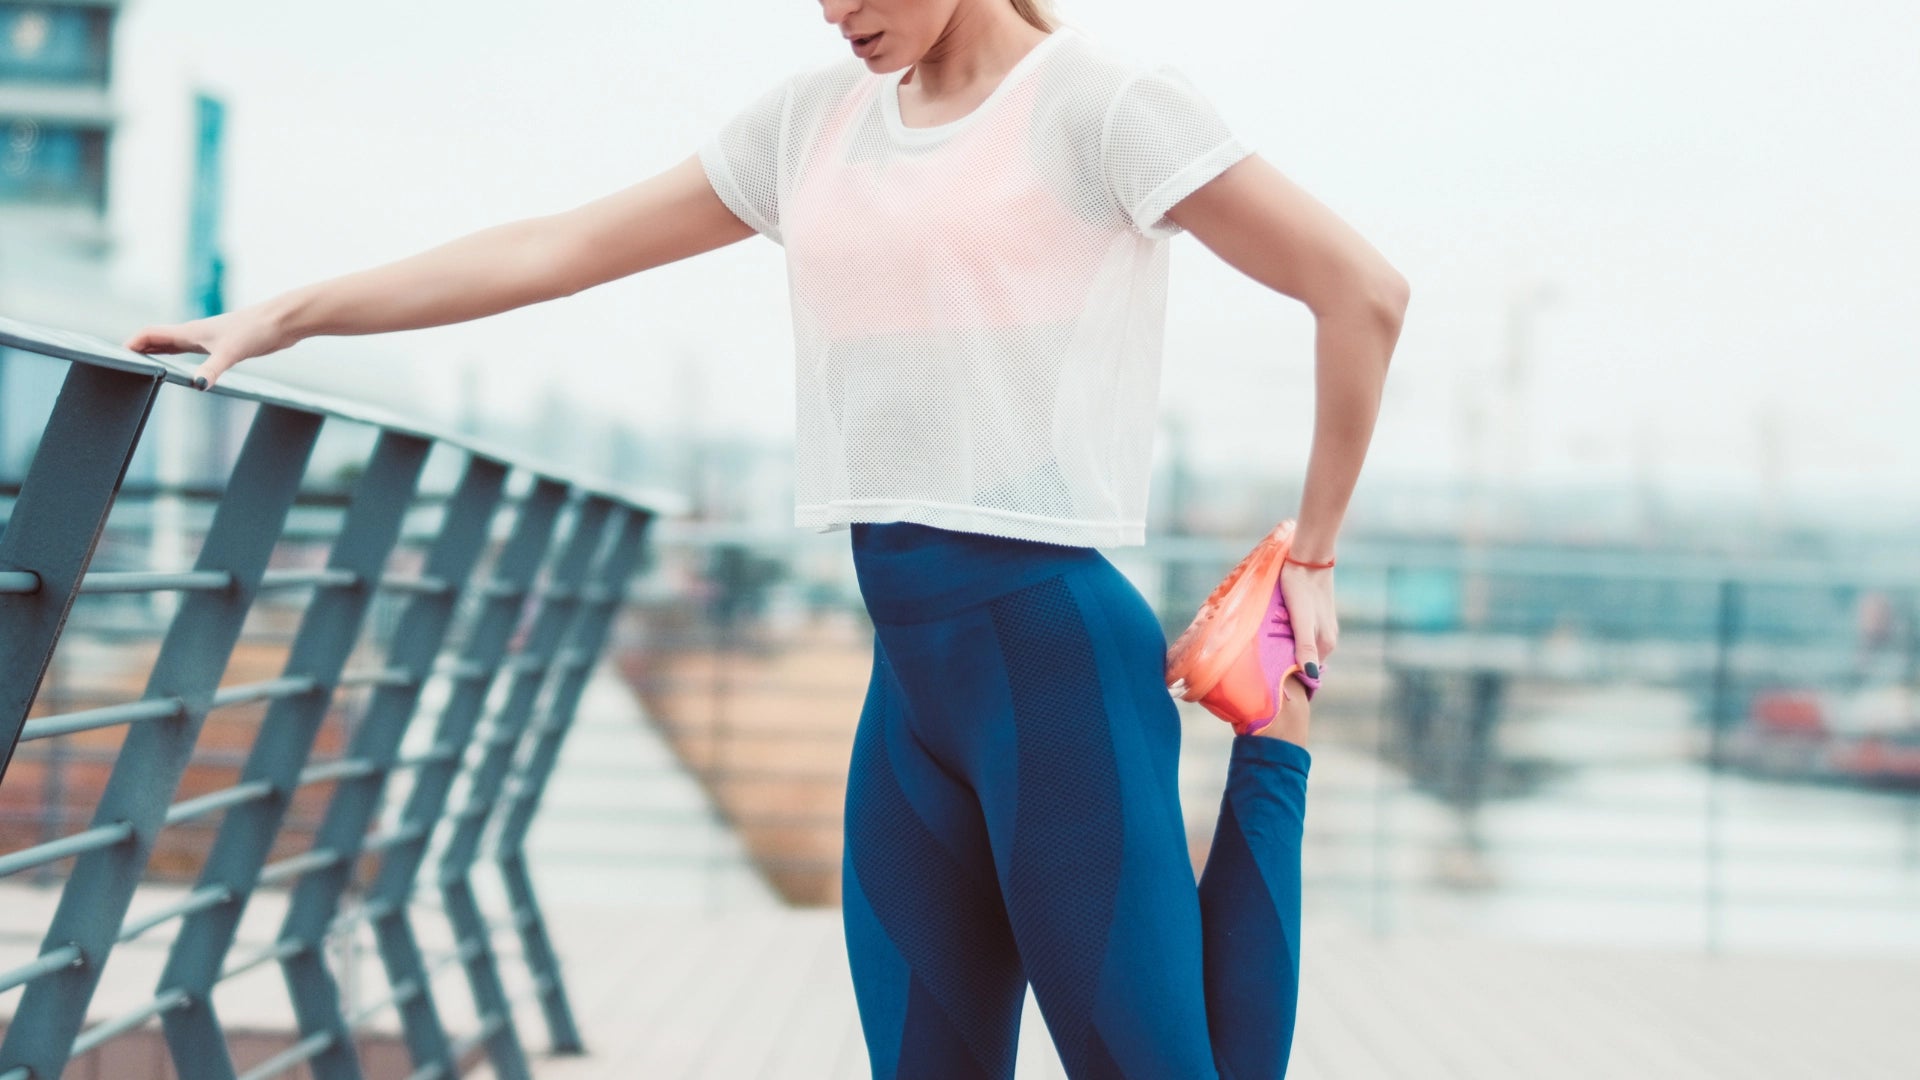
{"points": [[82, 348]]}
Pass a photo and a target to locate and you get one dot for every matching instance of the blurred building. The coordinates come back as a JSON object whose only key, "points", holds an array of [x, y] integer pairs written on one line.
{"points": [[58, 119], [57, 245], [55, 99]]}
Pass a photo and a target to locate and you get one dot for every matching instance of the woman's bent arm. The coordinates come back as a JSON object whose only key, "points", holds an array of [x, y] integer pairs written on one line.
{"points": [[1266, 227], [662, 219]]}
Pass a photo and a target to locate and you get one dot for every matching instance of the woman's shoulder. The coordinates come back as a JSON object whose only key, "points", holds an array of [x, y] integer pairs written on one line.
{"points": [[1084, 81], [1100, 69], [1090, 79]]}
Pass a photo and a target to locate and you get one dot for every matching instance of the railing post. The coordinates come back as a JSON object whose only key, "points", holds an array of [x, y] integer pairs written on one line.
{"points": [[589, 640], [1383, 846], [192, 658], [417, 641], [558, 614], [329, 629], [486, 646], [1720, 716], [56, 523]]}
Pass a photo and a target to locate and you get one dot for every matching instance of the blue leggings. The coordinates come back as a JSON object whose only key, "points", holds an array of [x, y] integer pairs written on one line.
{"points": [[1013, 814]]}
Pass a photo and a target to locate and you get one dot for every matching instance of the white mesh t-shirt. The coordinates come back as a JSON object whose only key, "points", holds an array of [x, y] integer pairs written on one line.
{"points": [[978, 307]]}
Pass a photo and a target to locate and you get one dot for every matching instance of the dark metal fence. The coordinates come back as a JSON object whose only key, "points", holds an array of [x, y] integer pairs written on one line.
{"points": [[557, 563]]}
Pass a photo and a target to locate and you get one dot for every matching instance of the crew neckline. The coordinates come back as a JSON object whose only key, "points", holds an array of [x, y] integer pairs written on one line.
{"points": [[890, 95]]}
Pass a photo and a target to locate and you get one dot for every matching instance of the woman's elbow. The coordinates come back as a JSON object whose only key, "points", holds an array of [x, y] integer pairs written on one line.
{"points": [[1373, 295], [1387, 295]]}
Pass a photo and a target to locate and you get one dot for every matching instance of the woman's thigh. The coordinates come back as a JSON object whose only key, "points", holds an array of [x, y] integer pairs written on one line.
{"points": [[1084, 817], [1025, 685]]}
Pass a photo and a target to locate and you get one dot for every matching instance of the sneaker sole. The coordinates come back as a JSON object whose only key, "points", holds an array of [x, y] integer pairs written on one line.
{"points": [[1222, 638]]}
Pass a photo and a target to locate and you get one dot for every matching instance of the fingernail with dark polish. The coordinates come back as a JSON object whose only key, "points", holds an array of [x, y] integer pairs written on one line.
{"points": [[1312, 669]]}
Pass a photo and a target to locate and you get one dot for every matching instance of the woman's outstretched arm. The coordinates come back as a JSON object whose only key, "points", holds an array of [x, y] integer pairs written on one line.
{"points": [[667, 217], [1270, 229]]}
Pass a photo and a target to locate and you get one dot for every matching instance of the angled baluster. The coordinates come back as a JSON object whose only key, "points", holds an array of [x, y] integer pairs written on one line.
{"points": [[402, 852], [559, 610], [589, 641], [56, 521]]}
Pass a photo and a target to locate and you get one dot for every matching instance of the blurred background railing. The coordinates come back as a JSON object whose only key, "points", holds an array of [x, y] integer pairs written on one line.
{"points": [[244, 727], [1581, 744]]}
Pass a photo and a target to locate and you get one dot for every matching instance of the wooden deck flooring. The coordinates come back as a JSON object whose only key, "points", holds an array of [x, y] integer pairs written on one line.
{"points": [[710, 978], [766, 995]]}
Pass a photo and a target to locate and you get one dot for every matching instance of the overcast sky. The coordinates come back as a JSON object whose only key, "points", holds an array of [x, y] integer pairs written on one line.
{"points": [[1718, 198]]}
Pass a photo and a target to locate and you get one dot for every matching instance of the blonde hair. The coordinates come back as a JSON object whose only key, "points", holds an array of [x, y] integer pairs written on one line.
{"points": [[1037, 12]]}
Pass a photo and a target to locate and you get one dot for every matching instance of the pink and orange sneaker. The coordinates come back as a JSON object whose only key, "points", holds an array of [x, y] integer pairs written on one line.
{"points": [[1236, 654]]}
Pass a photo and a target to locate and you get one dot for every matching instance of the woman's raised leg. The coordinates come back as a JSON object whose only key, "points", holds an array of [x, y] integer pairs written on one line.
{"points": [[1250, 899]]}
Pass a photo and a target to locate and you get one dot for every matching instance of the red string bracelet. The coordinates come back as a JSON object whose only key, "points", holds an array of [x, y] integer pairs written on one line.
{"points": [[1288, 557]]}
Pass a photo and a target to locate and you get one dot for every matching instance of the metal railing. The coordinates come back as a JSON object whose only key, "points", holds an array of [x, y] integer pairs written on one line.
{"points": [[537, 620]]}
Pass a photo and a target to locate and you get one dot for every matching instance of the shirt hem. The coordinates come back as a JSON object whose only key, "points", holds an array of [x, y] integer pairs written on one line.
{"points": [[1081, 532]]}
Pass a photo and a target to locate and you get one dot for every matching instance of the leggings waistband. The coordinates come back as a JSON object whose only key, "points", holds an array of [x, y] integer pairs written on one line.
{"points": [[909, 572]]}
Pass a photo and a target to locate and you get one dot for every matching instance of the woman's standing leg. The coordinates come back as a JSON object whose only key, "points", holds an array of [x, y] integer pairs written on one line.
{"points": [[1080, 784], [935, 972]]}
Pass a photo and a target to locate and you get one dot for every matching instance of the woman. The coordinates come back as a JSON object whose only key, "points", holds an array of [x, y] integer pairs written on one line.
{"points": [[974, 209]]}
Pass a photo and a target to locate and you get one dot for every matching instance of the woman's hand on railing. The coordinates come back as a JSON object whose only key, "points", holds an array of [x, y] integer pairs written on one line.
{"points": [[227, 339]]}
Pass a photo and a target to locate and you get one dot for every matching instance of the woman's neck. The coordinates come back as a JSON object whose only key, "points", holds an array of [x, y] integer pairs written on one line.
{"points": [[982, 43]]}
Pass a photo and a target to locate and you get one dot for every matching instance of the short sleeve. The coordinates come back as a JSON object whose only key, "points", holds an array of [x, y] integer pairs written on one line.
{"points": [[1162, 141], [742, 161]]}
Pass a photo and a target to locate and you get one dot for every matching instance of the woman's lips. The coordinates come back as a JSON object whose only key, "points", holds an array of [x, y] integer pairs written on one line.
{"points": [[864, 47]]}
